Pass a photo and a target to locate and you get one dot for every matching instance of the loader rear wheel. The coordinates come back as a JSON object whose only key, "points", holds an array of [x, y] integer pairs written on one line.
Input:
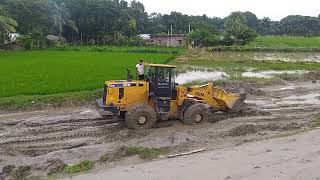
{"points": [[140, 117], [195, 114]]}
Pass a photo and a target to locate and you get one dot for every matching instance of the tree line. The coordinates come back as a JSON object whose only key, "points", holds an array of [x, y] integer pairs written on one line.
{"points": [[119, 22]]}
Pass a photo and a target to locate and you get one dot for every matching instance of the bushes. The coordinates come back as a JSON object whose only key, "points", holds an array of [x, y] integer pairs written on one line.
{"points": [[85, 165], [122, 49], [146, 153], [203, 37], [26, 42], [119, 39], [30, 42]]}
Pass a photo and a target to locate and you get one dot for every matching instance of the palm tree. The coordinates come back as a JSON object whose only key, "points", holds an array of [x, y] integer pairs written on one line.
{"points": [[7, 25], [61, 17]]}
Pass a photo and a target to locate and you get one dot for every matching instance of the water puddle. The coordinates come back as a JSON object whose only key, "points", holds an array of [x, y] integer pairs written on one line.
{"points": [[197, 75], [287, 57], [201, 74], [287, 88], [313, 98], [271, 73]]}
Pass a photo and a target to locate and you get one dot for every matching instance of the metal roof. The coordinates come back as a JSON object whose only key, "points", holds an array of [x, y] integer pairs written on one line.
{"points": [[161, 65]]}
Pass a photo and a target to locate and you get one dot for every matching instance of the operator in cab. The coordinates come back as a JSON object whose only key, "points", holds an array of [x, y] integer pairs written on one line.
{"points": [[140, 70]]}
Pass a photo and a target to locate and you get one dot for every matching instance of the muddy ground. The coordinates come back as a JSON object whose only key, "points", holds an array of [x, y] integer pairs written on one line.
{"points": [[45, 139], [293, 157]]}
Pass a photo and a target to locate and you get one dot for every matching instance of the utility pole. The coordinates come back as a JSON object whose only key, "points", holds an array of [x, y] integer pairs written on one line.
{"points": [[81, 38], [189, 28], [171, 37]]}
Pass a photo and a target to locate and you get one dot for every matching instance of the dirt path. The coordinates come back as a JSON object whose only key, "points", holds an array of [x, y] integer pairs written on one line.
{"points": [[289, 158], [37, 139]]}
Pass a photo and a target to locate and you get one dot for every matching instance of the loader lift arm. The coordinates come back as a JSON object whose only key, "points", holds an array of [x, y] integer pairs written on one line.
{"points": [[218, 98]]}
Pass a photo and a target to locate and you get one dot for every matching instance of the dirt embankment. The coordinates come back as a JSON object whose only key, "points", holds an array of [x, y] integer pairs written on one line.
{"points": [[286, 158], [44, 140]]}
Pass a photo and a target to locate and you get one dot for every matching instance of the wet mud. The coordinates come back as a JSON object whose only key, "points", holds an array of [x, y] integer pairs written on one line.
{"points": [[46, 139]]}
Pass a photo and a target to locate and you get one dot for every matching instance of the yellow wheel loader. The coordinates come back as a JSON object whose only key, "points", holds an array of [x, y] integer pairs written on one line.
{"points": [[141, 103]]}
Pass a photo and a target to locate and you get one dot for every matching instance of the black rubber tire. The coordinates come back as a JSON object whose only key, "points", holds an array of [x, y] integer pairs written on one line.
{"points": [[192, 111], [135, 112], [216, 116]]}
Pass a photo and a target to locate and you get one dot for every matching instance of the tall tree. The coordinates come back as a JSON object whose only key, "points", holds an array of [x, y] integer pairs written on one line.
{"points": [[138, 17], [204, 36], [236, 27], [235, 24], [60, 17], [32, 16], [7, 25], [300, 25], [252, 20]]}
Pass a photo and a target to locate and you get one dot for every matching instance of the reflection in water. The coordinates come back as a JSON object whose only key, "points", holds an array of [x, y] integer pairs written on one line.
{"points": [[270, 74], [205, 75], [312, 98], [190, 76]]}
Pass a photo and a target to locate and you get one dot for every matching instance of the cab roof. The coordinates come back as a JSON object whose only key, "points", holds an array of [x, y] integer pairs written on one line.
{"points": [[161, 65]]}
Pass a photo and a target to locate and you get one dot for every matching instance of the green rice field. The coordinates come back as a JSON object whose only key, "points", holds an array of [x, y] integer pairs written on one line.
{"points": [[51, 72], [285, 42]]}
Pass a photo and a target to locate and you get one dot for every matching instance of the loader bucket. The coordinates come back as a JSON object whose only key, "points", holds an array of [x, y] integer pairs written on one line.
{"points": [[229, 101]]}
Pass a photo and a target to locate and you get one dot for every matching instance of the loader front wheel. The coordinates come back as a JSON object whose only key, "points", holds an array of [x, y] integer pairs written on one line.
{"points": [[195, 114], [140, 117]]}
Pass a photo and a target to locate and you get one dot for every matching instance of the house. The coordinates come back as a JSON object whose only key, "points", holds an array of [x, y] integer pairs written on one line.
{"points": [[145, 36], [12, 38], [174, 40]]}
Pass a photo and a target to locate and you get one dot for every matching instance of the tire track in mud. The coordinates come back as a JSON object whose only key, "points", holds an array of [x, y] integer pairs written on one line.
{"points": [[53, 138], [55, 127], [98, 121], [43, 135]]}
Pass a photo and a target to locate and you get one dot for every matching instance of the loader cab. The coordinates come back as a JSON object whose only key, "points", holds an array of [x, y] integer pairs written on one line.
{"points": [[161, 80]]}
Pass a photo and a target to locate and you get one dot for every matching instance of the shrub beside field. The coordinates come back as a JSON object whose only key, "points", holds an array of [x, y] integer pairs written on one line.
{"points": [[51, 72], [121, 49]]}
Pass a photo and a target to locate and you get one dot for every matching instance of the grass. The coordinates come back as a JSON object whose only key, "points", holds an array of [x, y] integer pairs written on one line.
{"points": [[242, 61], [123, 49], [235, 63], [68, 75], [104, 158], [71, 169], [142, 152], [74, 75], [316, 122], [253, 80], [257, 81], [21, 173], [51, 72], [286, 42], [118, 154], [53, 100], [146, 153], [83, 166], [277, 43]]}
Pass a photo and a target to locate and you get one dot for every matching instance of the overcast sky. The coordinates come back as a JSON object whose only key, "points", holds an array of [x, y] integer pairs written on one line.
{"points": [[275, 9]]}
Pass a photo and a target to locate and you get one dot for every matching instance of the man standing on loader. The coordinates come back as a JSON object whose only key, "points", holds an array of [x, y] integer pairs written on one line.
{"points": [[140, 70]]}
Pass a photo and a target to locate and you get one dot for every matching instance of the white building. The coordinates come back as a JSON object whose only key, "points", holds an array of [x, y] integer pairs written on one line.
{"points": [[145, 36], [13, 36]]}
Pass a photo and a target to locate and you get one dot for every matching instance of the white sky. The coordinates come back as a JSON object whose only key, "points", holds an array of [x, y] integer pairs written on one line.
{"points": [[274, 9]]}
